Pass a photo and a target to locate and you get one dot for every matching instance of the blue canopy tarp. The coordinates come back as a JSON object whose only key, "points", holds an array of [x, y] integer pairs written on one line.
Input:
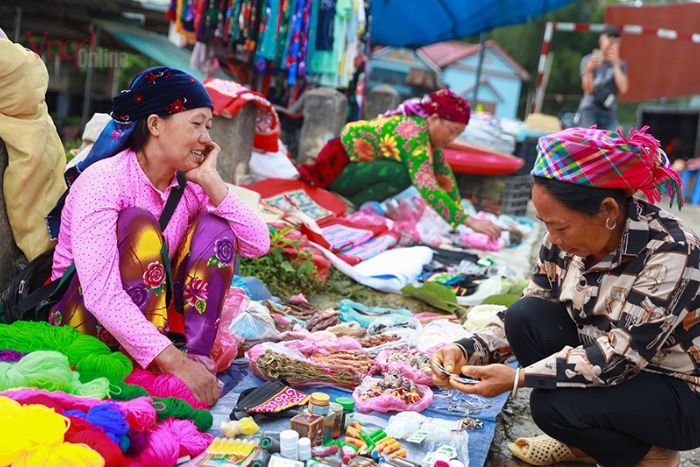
{"points": [[415, 23]]}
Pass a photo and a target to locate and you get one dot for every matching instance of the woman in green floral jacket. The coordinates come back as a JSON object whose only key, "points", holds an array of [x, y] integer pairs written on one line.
{"points": [[376, 159]]}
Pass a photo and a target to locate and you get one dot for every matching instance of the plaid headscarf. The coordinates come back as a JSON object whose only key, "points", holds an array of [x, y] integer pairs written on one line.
{"points": [[608, 159], [158, 90], [447, 104]]}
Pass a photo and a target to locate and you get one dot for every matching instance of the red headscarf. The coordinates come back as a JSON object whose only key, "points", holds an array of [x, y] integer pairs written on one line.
{"points": [[447, 104]]}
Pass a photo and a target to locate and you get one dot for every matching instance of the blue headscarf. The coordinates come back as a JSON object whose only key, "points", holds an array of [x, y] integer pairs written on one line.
{"points": [[160, 91]]}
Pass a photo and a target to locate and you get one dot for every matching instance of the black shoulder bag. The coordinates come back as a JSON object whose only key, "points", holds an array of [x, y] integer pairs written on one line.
{"points": [[30, 295]]}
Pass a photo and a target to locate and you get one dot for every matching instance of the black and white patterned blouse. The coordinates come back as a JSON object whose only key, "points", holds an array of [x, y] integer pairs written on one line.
{"points": [[638, 309]]}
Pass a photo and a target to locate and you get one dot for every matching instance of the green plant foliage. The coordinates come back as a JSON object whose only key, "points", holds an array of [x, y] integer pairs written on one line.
{"points": [[68, 146], [503, 299], [437, 295], [282, 276]]}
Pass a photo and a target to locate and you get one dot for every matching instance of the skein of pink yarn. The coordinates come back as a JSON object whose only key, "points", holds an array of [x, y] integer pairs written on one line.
{"points": [[139, 413], [172, 439], [164, 385]]}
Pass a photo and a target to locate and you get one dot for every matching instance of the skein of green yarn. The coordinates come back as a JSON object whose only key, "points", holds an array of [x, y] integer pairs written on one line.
{"points": [[27, 336], [123, 391], [91, 357], [51, 371], [179, 408]]}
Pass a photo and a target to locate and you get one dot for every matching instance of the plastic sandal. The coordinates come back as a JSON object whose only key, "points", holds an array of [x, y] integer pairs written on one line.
{"points": [[544, 450]]}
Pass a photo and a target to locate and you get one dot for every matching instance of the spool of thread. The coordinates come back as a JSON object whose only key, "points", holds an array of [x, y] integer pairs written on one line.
{"points": [[289, 444], [270, 444], [261, 460], [304, 449]]}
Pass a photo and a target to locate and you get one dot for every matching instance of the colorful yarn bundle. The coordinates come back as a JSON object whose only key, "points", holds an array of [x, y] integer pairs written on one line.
{"points": [[49, 370], [139, 413], [153, 419], [22, 444], [93, 359], [96, 420]]}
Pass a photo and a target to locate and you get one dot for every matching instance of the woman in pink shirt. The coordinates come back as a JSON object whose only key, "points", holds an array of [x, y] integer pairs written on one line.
{"points": [[109, 229]]}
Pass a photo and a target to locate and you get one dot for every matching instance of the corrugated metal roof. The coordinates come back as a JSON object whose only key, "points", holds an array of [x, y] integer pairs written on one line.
{"points": [[446, 53]]}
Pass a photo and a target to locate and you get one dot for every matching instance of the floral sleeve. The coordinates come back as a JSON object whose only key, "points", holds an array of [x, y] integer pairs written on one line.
{"points": [[445, 176], [421, 172]]}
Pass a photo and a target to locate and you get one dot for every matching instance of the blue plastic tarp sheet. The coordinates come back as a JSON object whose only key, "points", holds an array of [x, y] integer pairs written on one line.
{"points": [[415, 23]]}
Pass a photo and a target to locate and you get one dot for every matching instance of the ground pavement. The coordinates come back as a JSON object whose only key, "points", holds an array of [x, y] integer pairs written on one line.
{"points": [[515, 420]]}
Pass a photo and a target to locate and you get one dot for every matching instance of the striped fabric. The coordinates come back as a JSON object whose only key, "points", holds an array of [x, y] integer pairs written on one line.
{"points": [[608, 159]]}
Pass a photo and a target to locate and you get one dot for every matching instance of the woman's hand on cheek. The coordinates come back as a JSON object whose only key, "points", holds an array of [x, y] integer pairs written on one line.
{"points": [[207, 177], [206, 170], [495, 379]]}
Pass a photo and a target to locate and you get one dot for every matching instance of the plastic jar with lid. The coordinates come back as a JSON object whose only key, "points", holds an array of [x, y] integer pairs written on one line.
{"points": [[319, 403]]}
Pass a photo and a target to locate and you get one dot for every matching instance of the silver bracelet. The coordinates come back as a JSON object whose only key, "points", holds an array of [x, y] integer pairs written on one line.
{"points": [[516, 381]]}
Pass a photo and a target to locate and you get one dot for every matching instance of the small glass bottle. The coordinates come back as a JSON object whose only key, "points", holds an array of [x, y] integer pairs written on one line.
{"points": [[348, 405], [338, 423]]}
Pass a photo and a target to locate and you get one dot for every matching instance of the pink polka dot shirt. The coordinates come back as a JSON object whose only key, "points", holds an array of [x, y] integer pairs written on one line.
{"points": [[88, 236]]}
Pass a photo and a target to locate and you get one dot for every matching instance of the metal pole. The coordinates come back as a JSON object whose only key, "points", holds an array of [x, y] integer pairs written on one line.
{"points": [[541, 67], [18, 22], [482, 52], [87, 100]]}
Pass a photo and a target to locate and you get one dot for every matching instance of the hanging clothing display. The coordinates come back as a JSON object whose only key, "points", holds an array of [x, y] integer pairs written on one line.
{"points": [[279, 47]]}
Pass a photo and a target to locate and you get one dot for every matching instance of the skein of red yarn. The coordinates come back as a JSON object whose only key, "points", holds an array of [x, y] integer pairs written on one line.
{"points": [[83, 432]]}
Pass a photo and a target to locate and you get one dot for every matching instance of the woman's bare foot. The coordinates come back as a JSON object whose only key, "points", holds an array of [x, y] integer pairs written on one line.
{"points": [[583, 457], [661, 457]]}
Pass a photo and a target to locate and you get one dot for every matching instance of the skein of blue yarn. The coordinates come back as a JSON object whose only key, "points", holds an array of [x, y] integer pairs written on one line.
{"points": [[109, 417]]}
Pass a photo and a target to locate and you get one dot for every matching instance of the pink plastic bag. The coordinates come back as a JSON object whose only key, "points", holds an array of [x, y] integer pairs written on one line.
{"points": [[388, 403], [225, 347], [479, 241], [407, 370]]}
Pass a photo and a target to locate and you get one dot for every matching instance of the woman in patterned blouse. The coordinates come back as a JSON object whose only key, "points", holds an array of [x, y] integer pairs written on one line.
{"points": [[375, 159], [608, 331]]}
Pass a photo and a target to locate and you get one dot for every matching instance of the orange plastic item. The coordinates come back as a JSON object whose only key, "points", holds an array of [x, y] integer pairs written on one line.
{"points": [[399, 453], [392, 447], [354, 432]]}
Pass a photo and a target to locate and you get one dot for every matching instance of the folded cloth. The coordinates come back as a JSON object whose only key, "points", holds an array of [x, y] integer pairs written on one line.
{"points": [[230, 97]]}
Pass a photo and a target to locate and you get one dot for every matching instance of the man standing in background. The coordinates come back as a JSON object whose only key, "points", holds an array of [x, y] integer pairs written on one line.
{"points": [[603, 77]]}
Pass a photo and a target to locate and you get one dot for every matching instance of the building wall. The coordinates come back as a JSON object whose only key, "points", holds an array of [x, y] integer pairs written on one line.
{"points": [[461, 76], [392, 66]]}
